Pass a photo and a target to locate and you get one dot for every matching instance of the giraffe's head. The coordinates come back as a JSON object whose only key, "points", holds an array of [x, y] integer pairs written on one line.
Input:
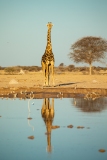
{"points": [[49, 25]]}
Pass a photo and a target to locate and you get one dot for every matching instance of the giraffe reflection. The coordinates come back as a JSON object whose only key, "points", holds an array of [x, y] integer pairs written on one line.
{"points": [[47, 113]]}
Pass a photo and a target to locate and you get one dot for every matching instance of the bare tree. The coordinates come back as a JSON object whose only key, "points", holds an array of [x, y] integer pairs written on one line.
{"points": [[88, 50]]}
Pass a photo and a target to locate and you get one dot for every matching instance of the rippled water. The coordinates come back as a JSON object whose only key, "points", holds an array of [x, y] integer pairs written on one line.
{"points": [[82, 141]]}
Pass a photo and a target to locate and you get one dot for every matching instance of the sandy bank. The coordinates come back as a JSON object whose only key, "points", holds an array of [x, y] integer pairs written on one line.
{"points": [[34, 82]]}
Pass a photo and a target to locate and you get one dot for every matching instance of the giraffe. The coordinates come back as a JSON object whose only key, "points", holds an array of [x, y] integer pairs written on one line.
{"points": [[48, 60], [47, 113]]}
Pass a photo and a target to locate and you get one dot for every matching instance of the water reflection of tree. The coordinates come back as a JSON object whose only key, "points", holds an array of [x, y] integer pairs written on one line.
{"points": [[47, 113], [89, 105]]}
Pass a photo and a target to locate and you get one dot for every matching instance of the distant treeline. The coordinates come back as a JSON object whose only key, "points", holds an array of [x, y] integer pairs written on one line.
{"points": [[18, 68], [61, 67], [72, 68]]}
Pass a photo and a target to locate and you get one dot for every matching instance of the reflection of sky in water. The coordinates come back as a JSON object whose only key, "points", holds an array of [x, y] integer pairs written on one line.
{"points": [[66, 143]]}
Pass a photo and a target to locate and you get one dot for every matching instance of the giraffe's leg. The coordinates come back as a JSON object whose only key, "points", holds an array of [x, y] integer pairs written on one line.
{"points": [[45, 77], [52, 66], [44, 72], [48, 103], [48, 75]]}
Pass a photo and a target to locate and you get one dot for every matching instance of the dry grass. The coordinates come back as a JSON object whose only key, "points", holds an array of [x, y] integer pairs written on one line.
{"points": [[36, 79]]}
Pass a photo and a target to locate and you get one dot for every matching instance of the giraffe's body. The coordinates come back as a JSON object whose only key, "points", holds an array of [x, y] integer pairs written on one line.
{"points": [[47, 112], [48, 60]]}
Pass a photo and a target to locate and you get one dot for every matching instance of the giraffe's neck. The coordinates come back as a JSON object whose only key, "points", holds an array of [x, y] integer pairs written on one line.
{"points": [[49, 36], [49, 45]]}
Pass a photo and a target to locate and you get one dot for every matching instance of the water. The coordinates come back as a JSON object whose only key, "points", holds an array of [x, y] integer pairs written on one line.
{"points": [[61, 143]]}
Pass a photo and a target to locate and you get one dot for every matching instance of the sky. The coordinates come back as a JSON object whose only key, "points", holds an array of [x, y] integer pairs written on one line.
{"points": [[23, 30]]}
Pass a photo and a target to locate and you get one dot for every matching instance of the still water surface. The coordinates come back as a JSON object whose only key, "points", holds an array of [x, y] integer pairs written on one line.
{"points": [[47, 143]]}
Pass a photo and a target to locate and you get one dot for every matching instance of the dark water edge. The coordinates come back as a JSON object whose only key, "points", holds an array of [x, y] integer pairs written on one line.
{"points": [[25, 93], [70, 89]]}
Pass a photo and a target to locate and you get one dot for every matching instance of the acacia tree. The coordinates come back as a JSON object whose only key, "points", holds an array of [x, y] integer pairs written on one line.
{"points": [[88, 50]]}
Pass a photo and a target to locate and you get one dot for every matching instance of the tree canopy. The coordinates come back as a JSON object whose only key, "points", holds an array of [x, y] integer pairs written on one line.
{"points": [[88, 50]]}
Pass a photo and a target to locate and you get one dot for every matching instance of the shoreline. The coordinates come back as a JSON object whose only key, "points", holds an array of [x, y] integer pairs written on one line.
{"points": [[49, 92]]}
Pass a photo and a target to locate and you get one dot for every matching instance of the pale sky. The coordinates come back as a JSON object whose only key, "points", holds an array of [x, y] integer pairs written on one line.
{"points": [[23, 31]]}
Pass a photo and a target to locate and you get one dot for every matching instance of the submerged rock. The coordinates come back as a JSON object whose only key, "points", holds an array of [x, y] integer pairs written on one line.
{"points": [[29, 118], [80, 127], [102, 150], [31, 137], [70, 126]]}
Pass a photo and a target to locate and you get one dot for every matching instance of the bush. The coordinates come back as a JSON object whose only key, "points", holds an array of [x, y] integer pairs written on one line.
{"points": [[61, 65], [2, 68], [10, 70], [71, 67]]}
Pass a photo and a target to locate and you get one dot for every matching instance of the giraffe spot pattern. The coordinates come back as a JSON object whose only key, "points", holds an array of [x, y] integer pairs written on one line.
{"points": [[48, 57]]}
